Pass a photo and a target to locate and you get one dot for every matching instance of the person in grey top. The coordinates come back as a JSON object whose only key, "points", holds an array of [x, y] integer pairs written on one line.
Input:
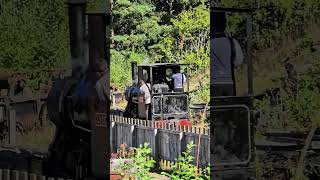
{"points": [[179, 79], [225, 55]]}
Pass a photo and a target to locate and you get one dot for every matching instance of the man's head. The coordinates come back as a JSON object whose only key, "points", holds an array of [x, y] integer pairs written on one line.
{"points": [[141, 83], [218, 21], [169, 74], [145, 75], [100, 65]]}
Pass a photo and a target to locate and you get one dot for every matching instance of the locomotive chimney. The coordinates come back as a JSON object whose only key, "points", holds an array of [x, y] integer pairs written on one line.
{"points": [[134, 71], [78, 44]]}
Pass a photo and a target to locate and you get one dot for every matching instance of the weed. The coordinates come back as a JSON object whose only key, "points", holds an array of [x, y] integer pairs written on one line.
{"points": [[141, 164], [184, 169]]}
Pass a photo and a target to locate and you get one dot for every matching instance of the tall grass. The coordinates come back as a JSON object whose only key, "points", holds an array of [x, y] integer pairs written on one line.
{"points": [[38, 139]]}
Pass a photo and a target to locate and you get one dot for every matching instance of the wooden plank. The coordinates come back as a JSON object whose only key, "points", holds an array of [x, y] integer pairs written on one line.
{"points": [[204, 155], [32, 176], [123, 134], [111, 137], [41, 177], [14, 175], [2, 113], [145, 135], [12, 126], [23, 175], [168, 144], [6, 174]]}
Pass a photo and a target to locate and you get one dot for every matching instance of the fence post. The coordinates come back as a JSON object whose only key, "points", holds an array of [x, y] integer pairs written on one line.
{"points": [[12, 126], [24, 175], [14, 175], [113, 100], [32, 176], [6, 174], [2, 113]]}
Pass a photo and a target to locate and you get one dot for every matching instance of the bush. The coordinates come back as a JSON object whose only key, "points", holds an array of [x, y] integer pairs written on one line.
{"points": [[184, 169], [141, 164], [294, 110]]}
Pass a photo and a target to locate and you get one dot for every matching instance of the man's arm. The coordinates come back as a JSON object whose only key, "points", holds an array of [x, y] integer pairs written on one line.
{"points": [[184, 78], [238, 53]]}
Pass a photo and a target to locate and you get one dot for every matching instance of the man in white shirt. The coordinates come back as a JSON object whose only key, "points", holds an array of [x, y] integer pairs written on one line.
{"points": [[145, 89], [179, 79]]}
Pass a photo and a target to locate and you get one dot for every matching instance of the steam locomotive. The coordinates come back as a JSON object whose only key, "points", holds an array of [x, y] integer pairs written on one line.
{"points": [[74, 102], [166, 104]]}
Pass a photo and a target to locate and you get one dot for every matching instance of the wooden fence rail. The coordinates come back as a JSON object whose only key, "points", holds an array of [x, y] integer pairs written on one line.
{"points": [[167, 142]]}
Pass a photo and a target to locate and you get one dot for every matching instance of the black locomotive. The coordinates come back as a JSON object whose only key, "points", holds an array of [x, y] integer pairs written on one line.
{"points": [[166, 103]]}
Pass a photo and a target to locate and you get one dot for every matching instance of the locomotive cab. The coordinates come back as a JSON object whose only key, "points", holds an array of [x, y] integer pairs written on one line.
{"points": [[231, 117], [166, 103]]}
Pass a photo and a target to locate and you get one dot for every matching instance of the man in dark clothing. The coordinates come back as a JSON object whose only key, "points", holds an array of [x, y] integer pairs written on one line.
{"points": [[225, 54]]}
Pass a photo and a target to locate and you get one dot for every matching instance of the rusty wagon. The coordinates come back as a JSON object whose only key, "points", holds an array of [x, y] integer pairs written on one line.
{"points": [[29, 106]]}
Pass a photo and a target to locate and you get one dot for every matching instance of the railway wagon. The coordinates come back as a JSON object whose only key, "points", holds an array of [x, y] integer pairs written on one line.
{"points": [[29, 106]]}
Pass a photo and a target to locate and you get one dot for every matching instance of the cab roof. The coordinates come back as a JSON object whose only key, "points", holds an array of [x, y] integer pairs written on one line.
{"points": [[162, 64]]}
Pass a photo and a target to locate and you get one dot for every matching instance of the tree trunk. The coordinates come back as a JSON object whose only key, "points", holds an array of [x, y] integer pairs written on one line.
{"points": [[300, 166]]}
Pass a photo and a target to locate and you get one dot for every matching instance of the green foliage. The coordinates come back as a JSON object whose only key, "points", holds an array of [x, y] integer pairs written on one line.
{"points": [[295, 111], [121, 68], [141, 165], [274, 21], [149, 31], [33, 37], [304, 108], [96, 6], [189, 40], [133, 22], [184, 169], [201, 95]]}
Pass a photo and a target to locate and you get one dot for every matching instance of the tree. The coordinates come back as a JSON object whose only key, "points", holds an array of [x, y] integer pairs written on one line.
{"points": [[33, 37]]}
